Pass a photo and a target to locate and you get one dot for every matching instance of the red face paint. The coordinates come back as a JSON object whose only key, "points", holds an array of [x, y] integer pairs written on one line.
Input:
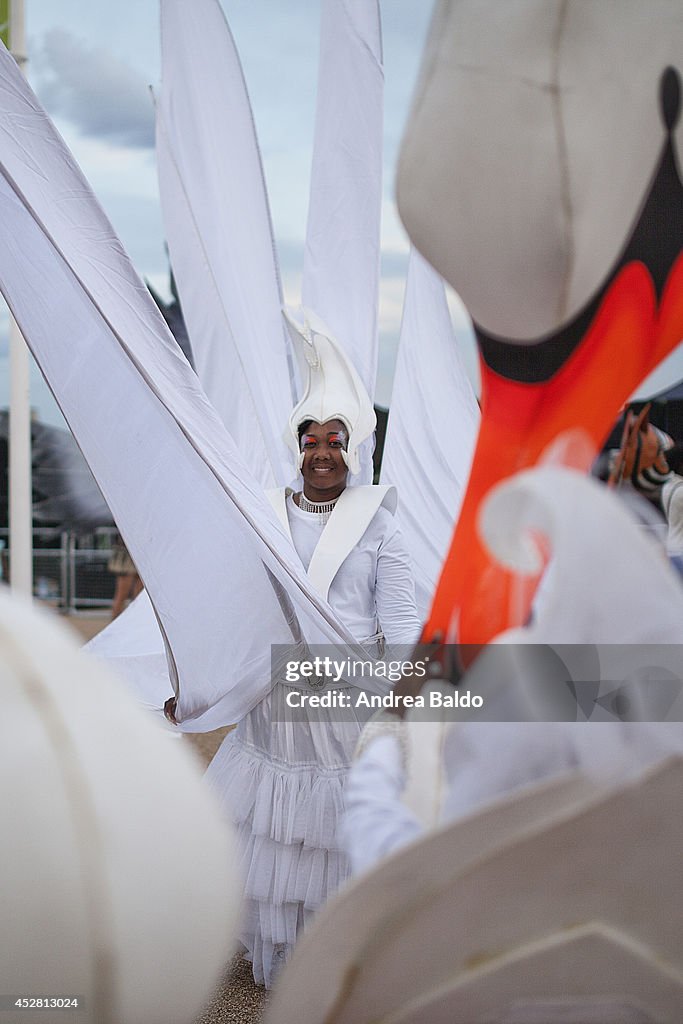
{"points": [[336, 438]]}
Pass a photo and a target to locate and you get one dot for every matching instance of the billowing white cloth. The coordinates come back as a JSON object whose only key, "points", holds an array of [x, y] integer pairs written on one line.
{"points": [[610, 586], [219, 233], [212, 188], [133, 646], [230, 294], [341, 261], [164, 462], [432, 428], [282, 782]]}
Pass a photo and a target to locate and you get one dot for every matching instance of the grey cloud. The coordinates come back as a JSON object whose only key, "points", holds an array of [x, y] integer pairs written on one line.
{"points": [[102, 96]]}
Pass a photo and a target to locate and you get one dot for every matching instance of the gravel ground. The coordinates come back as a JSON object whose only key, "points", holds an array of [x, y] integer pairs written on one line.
{"points": [[237, 1000]]}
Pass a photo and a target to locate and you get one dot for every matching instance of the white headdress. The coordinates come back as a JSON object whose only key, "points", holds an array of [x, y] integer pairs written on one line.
{"points": [[333, 389]]}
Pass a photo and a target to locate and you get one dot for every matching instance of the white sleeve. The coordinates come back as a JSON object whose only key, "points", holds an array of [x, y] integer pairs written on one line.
{"points": [[375, 821], [395, 591]]}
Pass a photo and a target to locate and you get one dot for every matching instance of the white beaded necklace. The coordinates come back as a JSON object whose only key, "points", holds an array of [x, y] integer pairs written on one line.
{"points": [[319, 508]]}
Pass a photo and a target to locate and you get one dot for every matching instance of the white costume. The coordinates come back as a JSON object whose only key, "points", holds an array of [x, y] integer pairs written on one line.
{"points": [[281, 781]]}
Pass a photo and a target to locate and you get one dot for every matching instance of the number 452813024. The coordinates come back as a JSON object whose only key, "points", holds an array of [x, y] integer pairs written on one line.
{"points": [[47, 1002]]}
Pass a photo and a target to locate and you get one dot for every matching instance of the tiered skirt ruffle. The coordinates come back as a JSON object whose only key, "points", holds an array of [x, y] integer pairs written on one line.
{"points": [[281, 783]]}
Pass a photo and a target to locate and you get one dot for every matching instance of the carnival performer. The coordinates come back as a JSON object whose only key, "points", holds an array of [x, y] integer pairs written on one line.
{"points": [[648, 462], [281, 780]]}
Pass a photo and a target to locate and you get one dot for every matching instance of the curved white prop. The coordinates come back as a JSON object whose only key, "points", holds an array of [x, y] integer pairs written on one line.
{"points": [[602, 562], [534, 134], [119, 882]]}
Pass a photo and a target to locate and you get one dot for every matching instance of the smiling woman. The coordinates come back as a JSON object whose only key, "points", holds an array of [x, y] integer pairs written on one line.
{"points": [[280, 774]]}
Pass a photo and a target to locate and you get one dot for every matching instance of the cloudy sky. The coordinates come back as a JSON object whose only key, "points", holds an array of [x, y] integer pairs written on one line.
{"points": [[91, 64]]}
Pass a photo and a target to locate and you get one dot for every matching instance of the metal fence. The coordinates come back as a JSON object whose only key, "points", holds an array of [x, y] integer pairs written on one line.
{"points": [[69, 570]]}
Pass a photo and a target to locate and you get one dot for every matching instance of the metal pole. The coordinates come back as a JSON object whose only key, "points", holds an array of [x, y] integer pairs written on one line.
{"points": [[20, 516]]}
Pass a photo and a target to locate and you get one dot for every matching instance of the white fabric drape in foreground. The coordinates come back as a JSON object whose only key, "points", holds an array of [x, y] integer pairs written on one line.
{"points": [[109, 816], [432, 428], [219, 232], [196, 523], [341, 261]]}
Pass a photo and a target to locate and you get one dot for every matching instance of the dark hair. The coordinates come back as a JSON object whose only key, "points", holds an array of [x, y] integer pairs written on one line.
{"points": [[674, 457], [303, 427]]}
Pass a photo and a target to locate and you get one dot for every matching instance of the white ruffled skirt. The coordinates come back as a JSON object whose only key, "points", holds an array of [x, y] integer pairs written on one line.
{"points": [[281, 782]]}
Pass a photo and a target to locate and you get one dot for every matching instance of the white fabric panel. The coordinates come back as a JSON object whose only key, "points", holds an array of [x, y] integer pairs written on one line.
{"points": [[195, 522], [341, 261], [216, 355], [534, 134], [432, 428], [134, 648], [219, 233]]}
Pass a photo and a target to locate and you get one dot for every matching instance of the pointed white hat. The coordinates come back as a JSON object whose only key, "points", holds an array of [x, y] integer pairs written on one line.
{"points": [[333, 389]]}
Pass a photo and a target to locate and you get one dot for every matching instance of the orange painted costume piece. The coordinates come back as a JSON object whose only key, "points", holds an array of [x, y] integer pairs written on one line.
{"points": [[630, 335]]}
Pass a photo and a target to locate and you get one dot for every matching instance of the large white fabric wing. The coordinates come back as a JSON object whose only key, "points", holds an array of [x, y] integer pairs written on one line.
{"points": [[432, 428], [341, 261], [219, 233], [198, 526]]}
